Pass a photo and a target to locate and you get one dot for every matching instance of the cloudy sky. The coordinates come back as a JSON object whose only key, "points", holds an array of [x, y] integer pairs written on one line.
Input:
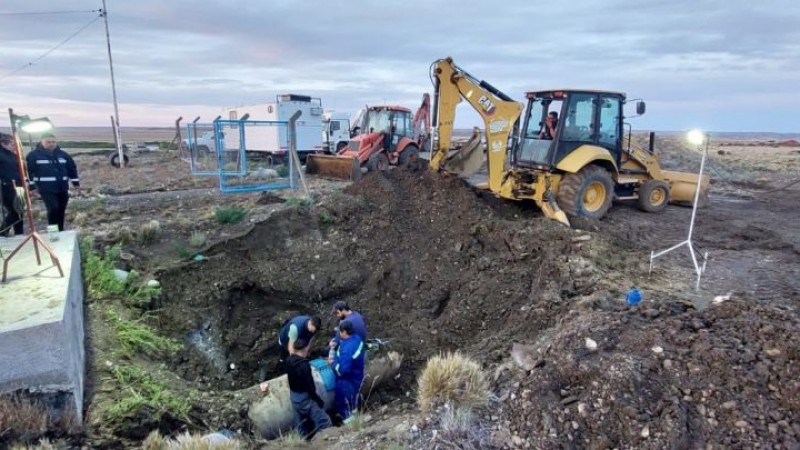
{"points": [[723, 65]]}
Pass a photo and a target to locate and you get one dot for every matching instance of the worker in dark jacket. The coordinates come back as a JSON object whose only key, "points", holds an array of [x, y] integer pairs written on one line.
{"points": [[348, 365], [343, 312], [299, 327], [10, 179], [50, 170], [309, 409]]}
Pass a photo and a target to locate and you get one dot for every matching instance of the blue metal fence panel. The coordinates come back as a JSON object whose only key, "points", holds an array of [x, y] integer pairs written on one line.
{"points": [[258, 161]]}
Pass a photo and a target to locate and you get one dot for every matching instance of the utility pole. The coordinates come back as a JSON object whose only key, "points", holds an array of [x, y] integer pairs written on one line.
{"points": [[117, 136]]}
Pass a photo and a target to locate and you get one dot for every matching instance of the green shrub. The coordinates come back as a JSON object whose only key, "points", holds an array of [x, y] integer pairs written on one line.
{"points": [[230, 214], [283, 171], [297, 201], [98, 271], [137, 338], [144, 394], [326, 218]]}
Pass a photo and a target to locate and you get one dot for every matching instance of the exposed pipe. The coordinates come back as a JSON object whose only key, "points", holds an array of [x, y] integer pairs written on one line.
{"points": [[272, 414]]}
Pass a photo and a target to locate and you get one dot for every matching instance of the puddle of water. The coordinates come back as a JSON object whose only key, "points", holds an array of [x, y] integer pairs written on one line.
{"points": [[204, 341]]}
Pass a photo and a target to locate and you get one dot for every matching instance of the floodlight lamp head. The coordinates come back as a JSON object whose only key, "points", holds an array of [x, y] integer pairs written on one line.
{"points": [[696, 137], [31, 126]]}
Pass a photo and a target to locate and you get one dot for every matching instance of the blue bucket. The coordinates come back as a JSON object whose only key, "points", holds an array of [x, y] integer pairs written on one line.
{"points": [[326, 372], [634, 297]]}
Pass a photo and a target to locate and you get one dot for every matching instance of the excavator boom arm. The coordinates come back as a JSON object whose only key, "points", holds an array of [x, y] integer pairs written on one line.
{"points": [[499, 112]]}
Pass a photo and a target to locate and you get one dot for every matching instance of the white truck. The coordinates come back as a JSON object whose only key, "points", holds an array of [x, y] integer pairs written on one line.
{"points": [[274, 140], [335, 131]]}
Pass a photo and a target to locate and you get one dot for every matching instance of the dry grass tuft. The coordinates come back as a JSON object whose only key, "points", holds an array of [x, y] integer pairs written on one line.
{"points": [[149, 232], [44, 444], [292, 439], [458, 428], [188, 441], [27, 417], [21, 416], [80, 219], [452, 379]]}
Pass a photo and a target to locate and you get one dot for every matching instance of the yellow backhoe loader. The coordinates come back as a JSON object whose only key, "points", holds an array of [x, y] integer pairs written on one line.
{"points": [[568, 153]]}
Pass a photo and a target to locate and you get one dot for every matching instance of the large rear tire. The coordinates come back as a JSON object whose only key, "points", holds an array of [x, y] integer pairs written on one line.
{"points": [[653, 196], [586, 194], [378, 162], [408, 156]]}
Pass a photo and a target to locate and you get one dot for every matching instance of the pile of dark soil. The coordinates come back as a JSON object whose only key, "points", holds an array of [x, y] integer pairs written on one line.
{"points": [[433, 267], [663, 377], [428, 263]]}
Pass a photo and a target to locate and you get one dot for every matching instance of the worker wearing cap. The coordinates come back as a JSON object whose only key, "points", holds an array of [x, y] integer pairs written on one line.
{"points": [[343, 312], [348, 366], [298, 327]]}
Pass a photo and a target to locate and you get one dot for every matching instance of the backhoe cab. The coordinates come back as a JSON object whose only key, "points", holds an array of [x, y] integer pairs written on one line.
{"points": [[568, 151], [382, 136]]}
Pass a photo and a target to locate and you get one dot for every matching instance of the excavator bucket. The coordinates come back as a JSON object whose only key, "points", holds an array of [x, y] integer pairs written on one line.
{"points": [[682, 187], [468, 159], [338, 167]]}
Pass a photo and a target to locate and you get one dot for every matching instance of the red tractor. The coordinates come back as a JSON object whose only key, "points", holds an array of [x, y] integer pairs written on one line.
{"points": [[384, 136]]}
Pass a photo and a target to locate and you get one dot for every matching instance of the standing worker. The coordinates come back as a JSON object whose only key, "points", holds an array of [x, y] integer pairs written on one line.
{"points": [[348, 365], [299, 327], [10, 179], [309, 412], [343, 312], [50, 170]]}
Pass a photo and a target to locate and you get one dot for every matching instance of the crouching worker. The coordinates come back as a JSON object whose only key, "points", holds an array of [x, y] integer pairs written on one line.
{"points": [[348, 365], [298, 327], [309, 409]]}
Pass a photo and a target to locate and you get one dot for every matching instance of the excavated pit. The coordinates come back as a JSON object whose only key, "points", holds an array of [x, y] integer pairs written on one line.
{"points": [[428, 263], [433, 267]]}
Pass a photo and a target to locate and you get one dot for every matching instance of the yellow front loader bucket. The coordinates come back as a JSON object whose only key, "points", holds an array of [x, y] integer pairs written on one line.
{"points": [[338, 167], [682, 187]]}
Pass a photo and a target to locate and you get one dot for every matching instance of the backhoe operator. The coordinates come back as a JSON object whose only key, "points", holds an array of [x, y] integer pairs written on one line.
{"points": [[549, 129]]}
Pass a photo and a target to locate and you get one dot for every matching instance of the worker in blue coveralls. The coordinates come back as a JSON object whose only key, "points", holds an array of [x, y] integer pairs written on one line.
{"points": [[348, 365], [343, 312]]}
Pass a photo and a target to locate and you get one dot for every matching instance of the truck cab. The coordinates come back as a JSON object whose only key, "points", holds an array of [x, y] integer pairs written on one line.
{"points": [[335, 131]]}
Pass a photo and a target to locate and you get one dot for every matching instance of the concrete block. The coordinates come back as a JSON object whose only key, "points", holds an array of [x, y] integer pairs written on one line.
{"points": [[41, 321]]}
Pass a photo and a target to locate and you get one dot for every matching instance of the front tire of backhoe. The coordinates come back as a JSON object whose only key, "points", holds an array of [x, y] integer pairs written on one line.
{"points": [[586, 194], [378, 162], [653, 196], [409, 156]]}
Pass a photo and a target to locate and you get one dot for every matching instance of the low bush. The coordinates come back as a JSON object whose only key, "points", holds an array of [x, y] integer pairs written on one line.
{"points": [[229, 214], [137, 338], [452, 379]]}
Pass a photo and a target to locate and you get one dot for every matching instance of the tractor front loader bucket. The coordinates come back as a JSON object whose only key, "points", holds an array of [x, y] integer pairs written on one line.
{"points": [[338, 167]]}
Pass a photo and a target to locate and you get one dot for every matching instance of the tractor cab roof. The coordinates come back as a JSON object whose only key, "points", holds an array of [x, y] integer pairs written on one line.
{"points": [[557, 94], [390, 108]]}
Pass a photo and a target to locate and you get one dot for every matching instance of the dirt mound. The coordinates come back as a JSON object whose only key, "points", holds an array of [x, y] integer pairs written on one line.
{"points": [[789, 143], [421, 256], [433, 267], [663, 378]]}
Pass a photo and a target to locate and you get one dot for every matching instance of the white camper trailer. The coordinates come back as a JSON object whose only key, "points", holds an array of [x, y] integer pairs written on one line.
{"points": [[274, 140]]}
